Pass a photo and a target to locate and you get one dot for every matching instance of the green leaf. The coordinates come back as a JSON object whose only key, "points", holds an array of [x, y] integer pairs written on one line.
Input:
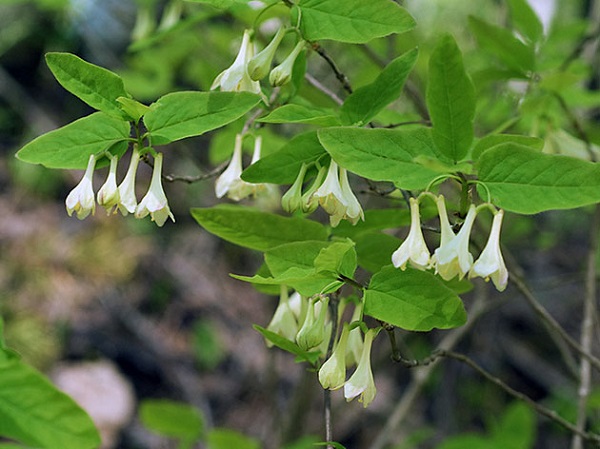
{"points": [[229, 439], [413, 300], [95, 85], [179, 115], [353, 21], [516, 430], [338, 257], [34, 412], [525, 20], [367, 101], [331, 443], [134, 109], [382, 154], [289, 346], [526, 181], [501, 43], [296, 113], [254, 229], [374, 250], [450, 100], [71, 145], [487, 142], [283, 166], [171, 419]]}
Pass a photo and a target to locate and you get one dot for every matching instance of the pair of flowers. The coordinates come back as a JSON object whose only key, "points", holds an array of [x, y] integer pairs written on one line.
{"points": [[334, 194], [82, 200], [453, 258]]}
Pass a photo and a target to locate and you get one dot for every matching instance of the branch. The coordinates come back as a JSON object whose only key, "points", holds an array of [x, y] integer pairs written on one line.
{"points": [[338, 74], [316, 83], [191, 179]]}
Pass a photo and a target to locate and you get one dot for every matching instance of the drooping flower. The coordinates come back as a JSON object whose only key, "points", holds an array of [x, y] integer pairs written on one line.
{"points": [[236, 78], [291, 201], [155, 202], [361, 382], [81, 199], [332, 373], [490, 263], [127, 200], [229, 179], [108, 195], [313, 330], [330, 195], [355, 341], [353, 211], [414, 248], [453, 258], [310, 202], [259, 65], [283, 322], [282, 74]]}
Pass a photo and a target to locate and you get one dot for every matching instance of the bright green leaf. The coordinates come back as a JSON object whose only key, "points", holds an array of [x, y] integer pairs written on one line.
{"points": [[487, 142], [526, 181], [179, 115], [229, 439], [450, 100], [525, 20], [171, 419], [95, 85], [367, 101], [413, 300], [382, 154], [332, 444], [305, 281], [254, 229], [133, 108], [354, 21], [289, 346], [338, 257], [295, 113], [71, 145], [517, 428], [374, 250]]}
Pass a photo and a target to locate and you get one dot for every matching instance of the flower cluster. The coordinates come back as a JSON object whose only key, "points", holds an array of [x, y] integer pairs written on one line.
{"points": [[111, 196], [333, 194], [453, 258]]}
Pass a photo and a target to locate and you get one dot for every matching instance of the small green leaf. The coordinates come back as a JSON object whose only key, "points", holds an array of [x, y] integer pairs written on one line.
{"points": [[179, 115], [526, 181], [382, 154], [450, 100], [338, 257], [487, 142], [254, 229], [296, 113], [229, 439], [516, 430], [330, 443], [133, 108], [525, 20], [71, 145], [95, 85], [353, 21], [367, 101], [413, 300], [171, 419], [289, 346], [283, 166]]}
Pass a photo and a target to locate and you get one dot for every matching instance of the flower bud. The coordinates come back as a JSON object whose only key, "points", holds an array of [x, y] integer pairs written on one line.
{"points": [[312, 332], [282, 74], [259, 65], [292, 199]]}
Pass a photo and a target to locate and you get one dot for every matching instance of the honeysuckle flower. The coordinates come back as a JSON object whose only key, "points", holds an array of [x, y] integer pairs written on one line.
{"points": [[355, 341], [414, 248], [108, 195], [330, 195], [81, 199], [313, 331], [155, 202], [490, 263], [236, 78], [231, 176], [310, 202], [283, 322], [260, 64], [353, 211], [332, 373], [282, 74], [127, 200], [298, 305], [453, 258], [291, 201], [361, 383]]}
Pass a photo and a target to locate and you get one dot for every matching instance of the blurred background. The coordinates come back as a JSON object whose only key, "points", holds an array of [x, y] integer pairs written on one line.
{"points": [[118, 311]]}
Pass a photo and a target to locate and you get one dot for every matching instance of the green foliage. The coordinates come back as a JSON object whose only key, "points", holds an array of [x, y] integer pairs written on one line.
{"points": [[288, 346], [172, 419], [227, 439]]}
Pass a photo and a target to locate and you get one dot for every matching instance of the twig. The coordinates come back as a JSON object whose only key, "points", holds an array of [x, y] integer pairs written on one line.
{"points": [[316, 83], [410, 122], [587, 330], [191, 179], [338, 74]]}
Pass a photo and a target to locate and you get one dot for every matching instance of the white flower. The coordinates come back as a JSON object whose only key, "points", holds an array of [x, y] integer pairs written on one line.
{"points": [[108, 195], [361, 382], [414, 248], [332, 373], [490, 263], [259, 65], [313, 330], [355, 341], [284, 322], [453, 258], [291, 201], [155, 202], [127, 199], [231, 176], [309, 201], [282, 74], [353, 211], [236, 78], [330, 195], [81, 199]]}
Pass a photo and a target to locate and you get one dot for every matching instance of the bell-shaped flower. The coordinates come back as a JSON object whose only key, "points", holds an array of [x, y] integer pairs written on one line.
{"points": [[127, 200], [260, 64], [332, 373], [355, 340], [81, 199], [310, 202], [283, 322], [298, 305], [490, 263], [230, 178], [291, 201], [236, 78], [108, 195], [313, 330], [361, 382], [453, 258], [353, 211], [282, 74], [155, 202], [330, 195], [414, 248]]}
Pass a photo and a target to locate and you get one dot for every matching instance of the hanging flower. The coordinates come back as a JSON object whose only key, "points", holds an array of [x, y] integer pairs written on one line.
{"points": [[127, 200], [310, 202], [414, 248], [282, 74], [490, 263], [361, 383], [313, 330], [108, 195], [259, 65], [330, 195], [283, 322], [230, 178], [236, 78], [353, 211], [355, 341], [155, 202], [291, 201], [81, 199], [332, 373]]}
